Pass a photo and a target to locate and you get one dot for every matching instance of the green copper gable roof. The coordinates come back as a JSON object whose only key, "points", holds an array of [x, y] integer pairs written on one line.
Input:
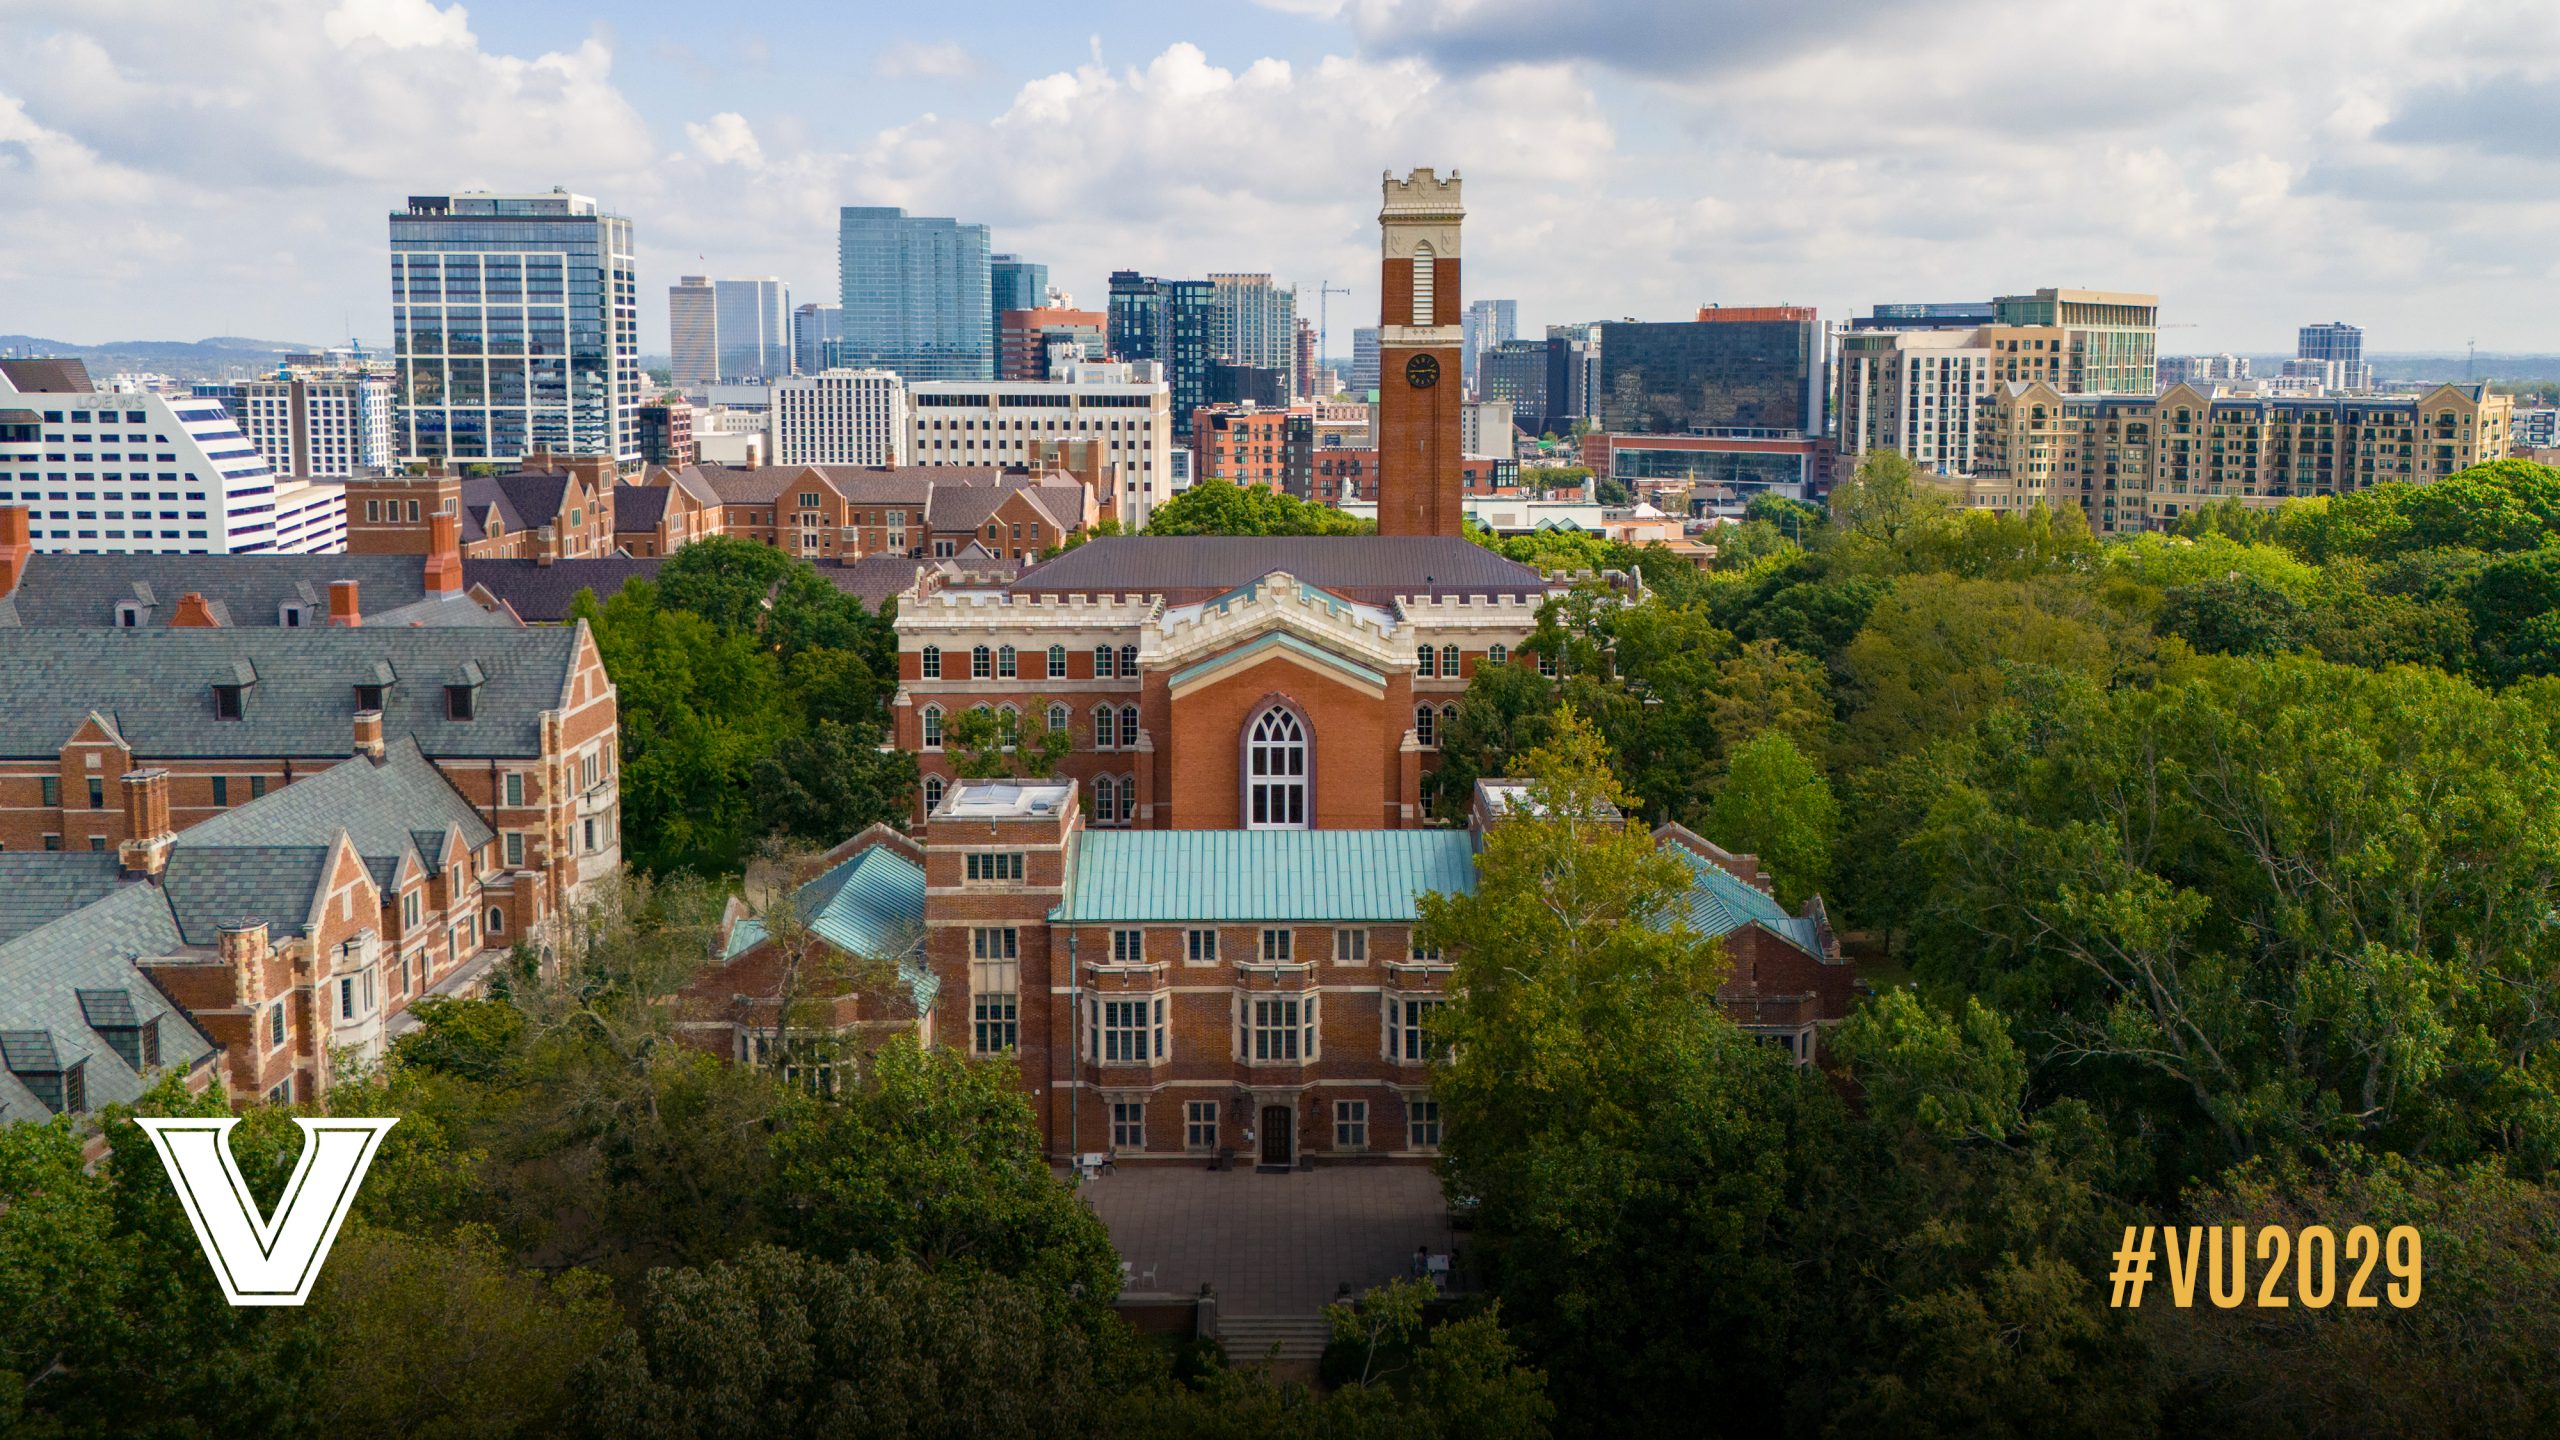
{"points": [[1281, 640], [1347, 876], [1720, 903], [871, 906]]}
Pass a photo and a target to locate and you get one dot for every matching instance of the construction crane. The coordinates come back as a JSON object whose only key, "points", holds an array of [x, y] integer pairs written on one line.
{"points": [[1325, 291]]}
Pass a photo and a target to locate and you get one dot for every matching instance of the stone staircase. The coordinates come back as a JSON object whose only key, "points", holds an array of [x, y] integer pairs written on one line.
{"points": [[1250, 1339]]}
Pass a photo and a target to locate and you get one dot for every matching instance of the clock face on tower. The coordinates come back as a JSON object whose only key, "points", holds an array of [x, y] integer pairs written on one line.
{"points": [[1422, 372]]}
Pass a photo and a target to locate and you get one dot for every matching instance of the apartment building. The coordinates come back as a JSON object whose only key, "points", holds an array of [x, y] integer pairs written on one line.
{"points": [[1122, 407], [141, 473], [2109, 340], [2138, 462], [840, 417], [323, 423], [1918, 391]]}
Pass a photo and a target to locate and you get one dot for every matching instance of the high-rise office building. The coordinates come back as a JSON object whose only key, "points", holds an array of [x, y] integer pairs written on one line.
{"points": [[1364, 361], [1313, 384], [1488, 323], [515, 328], [755, 329], [2110, 339], [693, 333], [1013, 283], [2337, 344], [1170, 322], [318, 420], [1255, 323], [1031, 343], [916, 295], [1123, 410], [1732, 369], [840, 417], [1421, 452], [814, 328], [190, 483], [1516, 372]]}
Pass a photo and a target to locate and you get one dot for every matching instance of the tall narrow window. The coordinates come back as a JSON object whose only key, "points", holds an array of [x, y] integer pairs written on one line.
{"points": [[1128, 727], [1276, 773], [933, 727], [932, 662], [1057, 662], [1103, 728], [1422, 306]]}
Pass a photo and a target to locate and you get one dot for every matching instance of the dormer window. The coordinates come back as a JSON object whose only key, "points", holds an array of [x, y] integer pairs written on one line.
{"points": [[129, 614], [135, 1039], [462, 693], [231, 693], [293, 615], [370, 697], [58, 1082]]}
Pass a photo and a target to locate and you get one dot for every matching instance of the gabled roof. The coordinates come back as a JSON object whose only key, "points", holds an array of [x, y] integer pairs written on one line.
{"points": [[1316, 876], [1720, 902], [540, 593], [638, 509], [871, 906], [85, 590], [38, 887], [389, 810], [61, 980], [155, 686]]}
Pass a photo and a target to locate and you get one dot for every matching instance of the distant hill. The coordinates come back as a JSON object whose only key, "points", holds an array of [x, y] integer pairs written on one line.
{"points": [[205, 359]]}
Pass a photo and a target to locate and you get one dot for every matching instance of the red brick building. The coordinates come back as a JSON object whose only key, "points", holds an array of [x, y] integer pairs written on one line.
{"points": [[552, 508]]}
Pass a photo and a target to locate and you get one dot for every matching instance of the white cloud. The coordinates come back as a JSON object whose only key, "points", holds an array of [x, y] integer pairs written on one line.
{"points": [[2385, 165], [726, 139], [946, 61]]}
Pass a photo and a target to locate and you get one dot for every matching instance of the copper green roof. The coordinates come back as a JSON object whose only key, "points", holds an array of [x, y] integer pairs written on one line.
{"points": [[872, 907], [1720, 902], [1317, 876]]}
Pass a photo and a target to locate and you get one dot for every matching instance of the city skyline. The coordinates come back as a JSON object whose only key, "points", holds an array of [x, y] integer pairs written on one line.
{"points": [[1790, 162]]}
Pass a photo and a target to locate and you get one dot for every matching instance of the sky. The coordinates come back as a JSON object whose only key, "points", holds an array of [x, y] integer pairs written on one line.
{"points": [[174, 170]]}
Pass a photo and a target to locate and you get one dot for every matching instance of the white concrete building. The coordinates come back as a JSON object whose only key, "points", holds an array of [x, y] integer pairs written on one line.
{"points": [[840, 417], [108, 474], [1002, 422], [313, 423], [1484, 428], [1916, 391]]}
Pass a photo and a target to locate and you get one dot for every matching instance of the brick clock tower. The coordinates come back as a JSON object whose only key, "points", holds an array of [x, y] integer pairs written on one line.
{"points": [[1420, 455]]}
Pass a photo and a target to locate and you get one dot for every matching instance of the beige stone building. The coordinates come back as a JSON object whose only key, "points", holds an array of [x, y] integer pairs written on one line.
{"points": [[2138, 462]]}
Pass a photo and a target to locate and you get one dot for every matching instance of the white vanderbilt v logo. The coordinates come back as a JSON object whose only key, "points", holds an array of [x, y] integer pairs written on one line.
{"points": [[263, 1261]]}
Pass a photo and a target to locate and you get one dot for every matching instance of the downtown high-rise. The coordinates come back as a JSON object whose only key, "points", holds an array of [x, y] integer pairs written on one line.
{"points": [[515, 327], [916, 292]]}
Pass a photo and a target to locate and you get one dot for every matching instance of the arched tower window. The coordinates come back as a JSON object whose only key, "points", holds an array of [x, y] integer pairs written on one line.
{"points": [[1422, 264], [1276, 772]]}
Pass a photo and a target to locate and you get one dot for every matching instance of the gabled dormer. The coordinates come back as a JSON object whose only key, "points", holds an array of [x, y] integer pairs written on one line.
{"points": [[134, 1037], [231, 690]]}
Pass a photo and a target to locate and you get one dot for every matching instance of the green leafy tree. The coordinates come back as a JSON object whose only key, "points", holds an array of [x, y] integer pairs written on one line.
{"points": [[1776, 804], [1221, 507], [830, 784], [1624, 1146], [989, 744]]}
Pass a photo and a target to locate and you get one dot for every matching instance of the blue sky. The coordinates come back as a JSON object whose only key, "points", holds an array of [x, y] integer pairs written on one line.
{"points": [[181, 170]]}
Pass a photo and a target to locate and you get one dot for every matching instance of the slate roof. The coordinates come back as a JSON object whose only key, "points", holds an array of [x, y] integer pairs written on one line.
{"points": [[1317, 876], [540, 594], [1372, 569], [1720, 902], [85, 589], [59, 980], [638, 509], [155, 688], [966, 506], [875, 580], [388, 810], [525, 500], [38, 887], [870, 906]]}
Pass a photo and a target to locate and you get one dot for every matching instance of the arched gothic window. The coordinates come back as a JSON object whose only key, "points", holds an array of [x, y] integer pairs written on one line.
{"points": [[1426, 726], [933, 727], [1128, 727], [1276, 772]]}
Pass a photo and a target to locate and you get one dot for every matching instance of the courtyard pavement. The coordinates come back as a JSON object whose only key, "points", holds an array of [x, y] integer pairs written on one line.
{"points": [[1270, 1244]]}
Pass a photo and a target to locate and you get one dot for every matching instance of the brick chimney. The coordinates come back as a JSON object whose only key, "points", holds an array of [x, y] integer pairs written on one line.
{"points": [[194, 613], [242, 945], [15, 547], [148, 833], [343, 610], [369, 733], [444, 554]]}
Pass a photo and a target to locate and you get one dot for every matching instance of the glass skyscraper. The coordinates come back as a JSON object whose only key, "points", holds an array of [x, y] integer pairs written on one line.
{"points": [[1172, 322], [917, 292], [816, 333], [755, 329], [515, 326], [1016, 284]]}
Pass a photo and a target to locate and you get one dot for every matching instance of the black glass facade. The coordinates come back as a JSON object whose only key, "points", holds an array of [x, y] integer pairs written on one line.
{"points": [[1701, 377]]}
